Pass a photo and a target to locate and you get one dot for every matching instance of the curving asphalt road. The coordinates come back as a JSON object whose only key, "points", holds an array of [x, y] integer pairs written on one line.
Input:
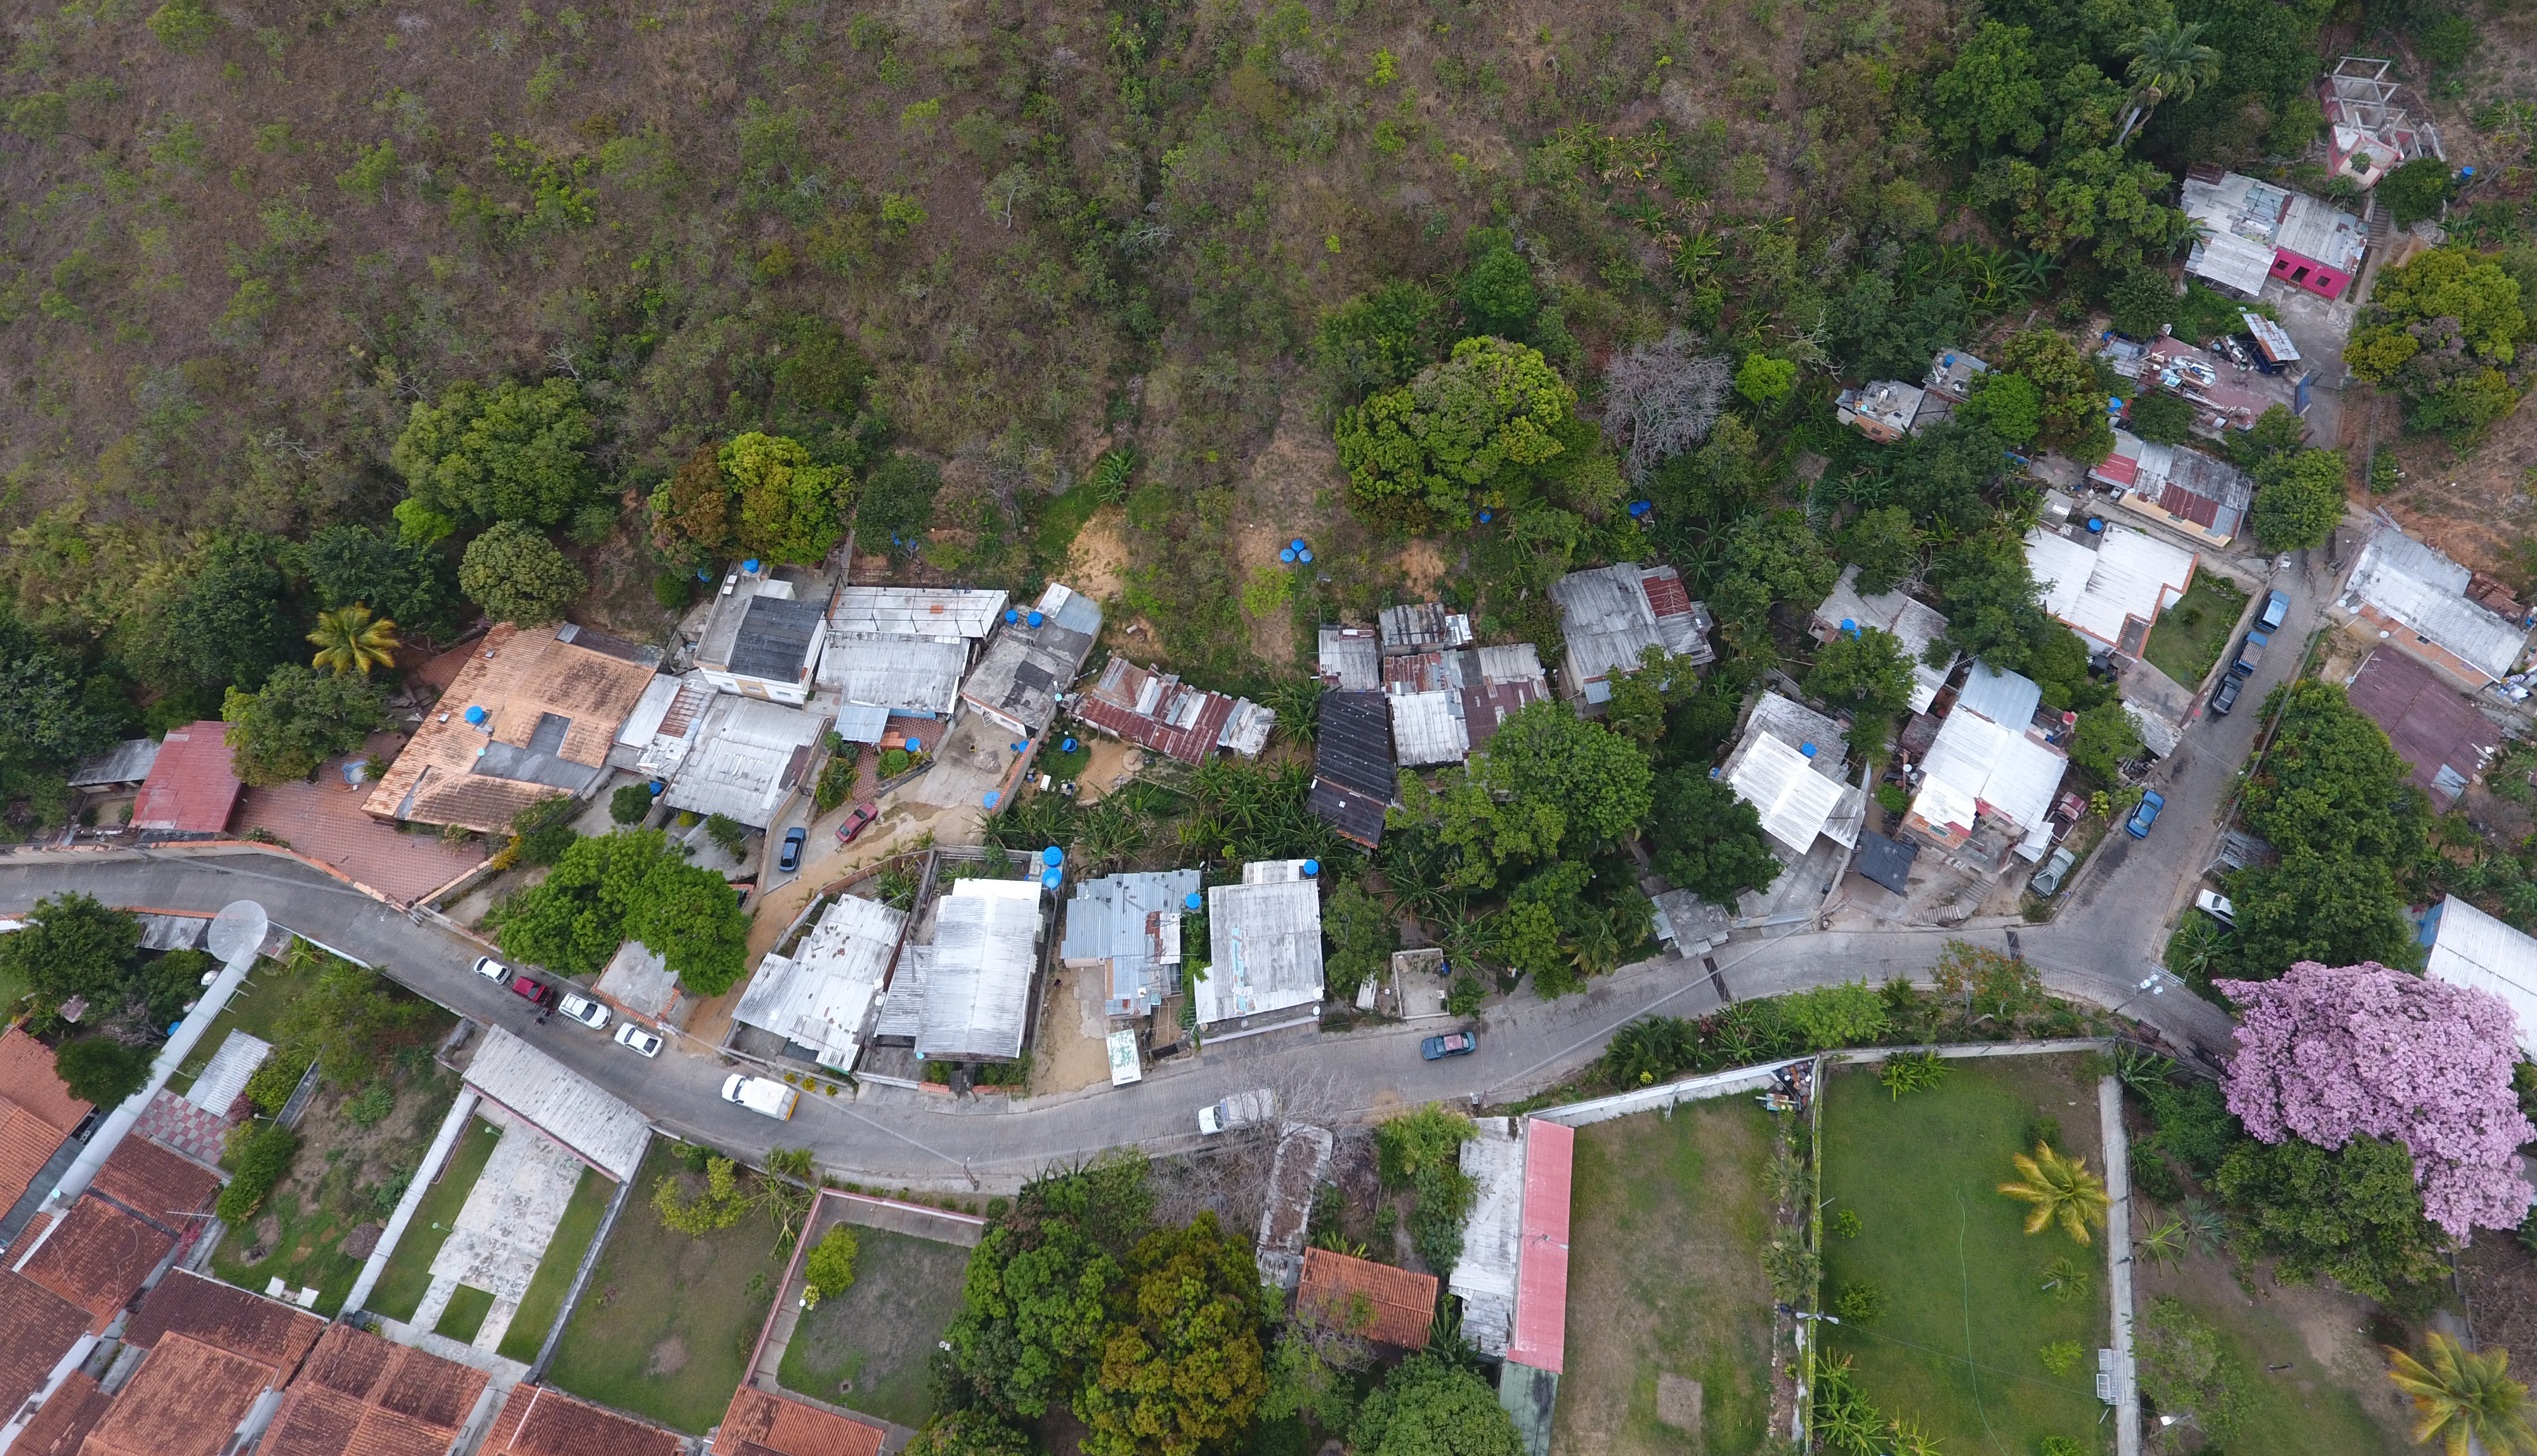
{"points": [[2104, 944]]}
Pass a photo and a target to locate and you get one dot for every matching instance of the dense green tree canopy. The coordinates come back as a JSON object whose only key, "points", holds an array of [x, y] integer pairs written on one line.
{"points": [[1708, 841], [517, 575], [1992, 97], [1036, 1304], [297, 720], [2353, 1215], [2107, 737], [232, 619], [511, 453], [1455, 437], [1427, 1407], [788, 507], [414, 586], [101, 1071], [2339, 908], [1182, 1367], [629, 885], [72, 946], [1868, 673], [1550, 783], [1497, 295], [2299, 500], [1383, 337], [2333, 786]]}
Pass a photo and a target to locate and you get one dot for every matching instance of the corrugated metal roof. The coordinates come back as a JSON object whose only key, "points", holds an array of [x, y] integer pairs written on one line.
{"points": [[1610, 614], [1157, 711], [1508, 677], [822, 995], [191, 787], [2006, 771], [977, 995], [2231, 262], [1886, 861], [1423, 627], [1429, 728], [127, 762], [2426, 590], [1354, 777], [934, 613], [2324, 233], [897, 674], [650, 711], [1132, 923], [902, 1002], [1541, 1269], [590, 1122], [2129, 578], [738, 766], [2009, 699], [1024, 667], [778, 640], [1265, 942], [2472, 949], [1352, 658], [2430, 725], [1782, 786]]}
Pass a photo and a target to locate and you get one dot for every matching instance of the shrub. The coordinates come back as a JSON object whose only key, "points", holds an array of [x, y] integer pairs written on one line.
{"points": [[1846, 1222], [1849, 1015], [1764, 380], [274, 1081], [259, 1154], [2161, 420], [2058, 1358], [720, 1204], [631, 803], [371, 1106], [517, 575], [183, 26], [1911, 1071], [727, 832], [828, 1269], [1861, 1303]]}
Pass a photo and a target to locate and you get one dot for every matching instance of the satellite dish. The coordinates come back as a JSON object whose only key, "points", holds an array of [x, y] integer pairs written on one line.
{"points": [[237, 932]]}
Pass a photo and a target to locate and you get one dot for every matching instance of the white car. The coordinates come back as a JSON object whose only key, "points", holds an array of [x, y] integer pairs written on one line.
{"points": [[760, 1095], [2217, 907], [493, 969], [584, 1010], [639, 1037]]}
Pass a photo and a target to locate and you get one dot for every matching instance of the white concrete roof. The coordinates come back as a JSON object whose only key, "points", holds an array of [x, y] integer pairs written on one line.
{"points": [[2427, 592], [1783, 787], [2474, 950], [937, 613], [2132, 574], [1265, 944], [977, 994], [2232, 262], [605, 1131], [639, 978], [649, 710], [822, 995], [743, 750], [1493, 1235]]}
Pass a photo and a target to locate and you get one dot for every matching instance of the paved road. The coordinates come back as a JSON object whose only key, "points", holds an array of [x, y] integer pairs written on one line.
{"points": [[2106, 941]]}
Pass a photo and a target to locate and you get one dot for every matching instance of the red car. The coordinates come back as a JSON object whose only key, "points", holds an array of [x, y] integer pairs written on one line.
{"points": [[865, 813], [533, 990]]}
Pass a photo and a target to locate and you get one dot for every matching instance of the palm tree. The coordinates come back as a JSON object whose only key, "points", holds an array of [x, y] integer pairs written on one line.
{"points": [[349, 640], [2461, 1396], [2061, 1189], [2169, 61]]}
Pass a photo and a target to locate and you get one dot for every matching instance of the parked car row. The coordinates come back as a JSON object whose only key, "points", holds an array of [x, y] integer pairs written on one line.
{"points": [[2251, 653], [631, 1035]]}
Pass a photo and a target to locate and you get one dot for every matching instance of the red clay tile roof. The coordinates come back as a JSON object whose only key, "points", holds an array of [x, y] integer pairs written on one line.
{"points": [[163, 1186], [224, 1315], [396, 1380], [29, 1083], [96, 1258], [187, 1399], [42, 1327], [65, 1421], [27, 1144], [783, 1427], [539, 1422], [326, 822], [1398, 1305], [191, 789]]}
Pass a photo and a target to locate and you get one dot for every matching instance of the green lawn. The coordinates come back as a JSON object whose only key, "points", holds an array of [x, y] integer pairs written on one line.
{"points": [[464, 1314], [866, 1349], [667, 1324], [572, 1236], [2189, 635], [408, 1277], [1669, 1220], [2294, 1406], [259, 1003], [1958, 1348]]}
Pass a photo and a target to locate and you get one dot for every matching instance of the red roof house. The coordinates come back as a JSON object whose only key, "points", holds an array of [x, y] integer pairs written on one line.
{"points": [[762, 1425], [191, 787], [36, 1112], [1542, 1266], [537, 1421], [1374, 1302]]}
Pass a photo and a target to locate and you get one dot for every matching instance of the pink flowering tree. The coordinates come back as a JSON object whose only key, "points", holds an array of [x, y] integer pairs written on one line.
{"points": [[2328, 1053]]}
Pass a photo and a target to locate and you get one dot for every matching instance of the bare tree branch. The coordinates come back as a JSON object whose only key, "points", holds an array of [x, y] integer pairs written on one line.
{"points": [[1662, 398]]}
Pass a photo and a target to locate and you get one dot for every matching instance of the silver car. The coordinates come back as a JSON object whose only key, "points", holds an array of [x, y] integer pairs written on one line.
{"points": [[2048, 881]]}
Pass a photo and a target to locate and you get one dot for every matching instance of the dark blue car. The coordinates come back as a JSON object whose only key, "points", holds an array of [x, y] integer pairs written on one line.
{"points": [[1452, 1044], [789, 859], [2138, 826]]}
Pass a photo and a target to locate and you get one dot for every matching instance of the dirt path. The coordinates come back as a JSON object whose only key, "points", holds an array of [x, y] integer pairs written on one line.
{"points": [[1285, 497], [1072, 1049]]}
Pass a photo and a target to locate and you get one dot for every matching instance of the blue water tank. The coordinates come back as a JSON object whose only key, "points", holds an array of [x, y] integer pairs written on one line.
{"points": [[1809, 749], [916, 746], [1012, 615], [1037, 617], [1305, 557], [704, 574], [1020, 743], [1287, 556], [2095, 525], [659, 787], [749, 566], [1053, 878], [1193, 901], [1487, 517], [1312, 868], [1066, 747], [993, 795], [1849, 624], [1949, 359], [1640, 508], [1052, 855], [475, 716], [1297, 543]]}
